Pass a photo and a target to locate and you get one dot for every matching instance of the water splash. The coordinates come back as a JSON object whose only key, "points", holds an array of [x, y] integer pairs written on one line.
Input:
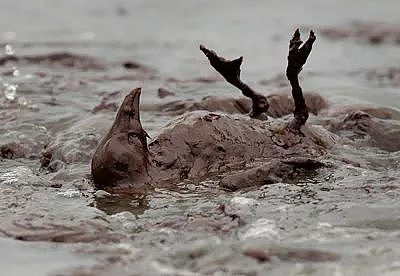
{"points": [[262, 228], [70, 193], [22, 101], [243, 201], [15, 72], [10, 91], [19, 176], [9, 50], [126, 220]]}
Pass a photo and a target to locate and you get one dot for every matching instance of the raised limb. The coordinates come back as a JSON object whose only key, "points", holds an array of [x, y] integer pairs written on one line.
{"points": [[296, 59], [230, 70]]}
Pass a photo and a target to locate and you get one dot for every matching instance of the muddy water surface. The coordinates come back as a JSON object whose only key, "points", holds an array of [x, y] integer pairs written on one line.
{"points": [[340, 221]]}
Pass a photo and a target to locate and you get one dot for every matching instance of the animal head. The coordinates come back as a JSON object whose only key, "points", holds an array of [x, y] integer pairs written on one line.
{"points": [[123, 154]]}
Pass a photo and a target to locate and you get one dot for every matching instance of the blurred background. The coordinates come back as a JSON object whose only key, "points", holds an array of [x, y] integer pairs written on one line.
{"points": [[356, 38]]}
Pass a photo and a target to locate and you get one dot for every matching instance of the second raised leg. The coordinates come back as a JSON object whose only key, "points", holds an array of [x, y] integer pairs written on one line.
{"points": [[296, 59]]}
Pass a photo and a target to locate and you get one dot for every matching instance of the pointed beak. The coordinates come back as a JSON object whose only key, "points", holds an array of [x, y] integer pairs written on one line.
{"points": [[130, 105], [128, 115], [135, 94]]}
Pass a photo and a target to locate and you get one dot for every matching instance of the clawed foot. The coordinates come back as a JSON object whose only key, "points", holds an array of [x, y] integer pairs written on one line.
{"points": [[298, 55], [230, 70]]}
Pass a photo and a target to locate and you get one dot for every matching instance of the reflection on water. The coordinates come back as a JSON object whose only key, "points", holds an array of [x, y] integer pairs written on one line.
{"points": [[113, 204]]}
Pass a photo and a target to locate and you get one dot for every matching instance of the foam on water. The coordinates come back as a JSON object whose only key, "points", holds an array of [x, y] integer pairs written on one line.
{"points": [[262, 228], [70, 193]]}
